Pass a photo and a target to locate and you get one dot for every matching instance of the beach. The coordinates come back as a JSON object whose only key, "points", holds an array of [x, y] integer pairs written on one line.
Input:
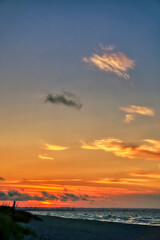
{"points": [[55, 228]]}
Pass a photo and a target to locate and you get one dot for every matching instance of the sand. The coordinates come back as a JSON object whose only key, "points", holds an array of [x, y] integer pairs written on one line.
{"points": [[55, 228]]}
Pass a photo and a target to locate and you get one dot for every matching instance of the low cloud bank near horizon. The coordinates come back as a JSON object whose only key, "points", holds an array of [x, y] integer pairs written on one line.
{"points": [[13, 195], [147, 175], [147, 149], [117, 63], [66, 98]]}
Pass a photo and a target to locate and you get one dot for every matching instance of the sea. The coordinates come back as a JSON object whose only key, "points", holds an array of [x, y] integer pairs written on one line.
{"points": [[128, 216]]}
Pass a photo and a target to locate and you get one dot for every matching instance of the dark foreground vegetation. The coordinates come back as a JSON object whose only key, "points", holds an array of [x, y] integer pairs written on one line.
{"points": [[10, 227], [18, 225]]}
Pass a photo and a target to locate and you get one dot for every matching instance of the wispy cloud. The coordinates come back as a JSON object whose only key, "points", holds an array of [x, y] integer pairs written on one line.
{"points": [[129, 118], [66, 98], [139, 110], [1, 179], [45, 157], [133, 110], [108, 48], [148, 149], [51, 147], [117, 63]]}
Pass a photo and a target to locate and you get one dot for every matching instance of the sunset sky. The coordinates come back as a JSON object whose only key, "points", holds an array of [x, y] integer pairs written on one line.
{"points": [[79, 103]]}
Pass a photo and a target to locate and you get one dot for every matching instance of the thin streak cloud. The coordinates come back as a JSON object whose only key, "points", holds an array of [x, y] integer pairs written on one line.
{"points": [[66, 98], [54, 147], [45, 157], [126, 181], [150, 175], [117, 63], [148, 149]]}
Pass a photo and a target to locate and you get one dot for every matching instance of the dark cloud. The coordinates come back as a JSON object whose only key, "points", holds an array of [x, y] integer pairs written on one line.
{"points": [[2, 194], [13, 195], [66, 98], [72, 197], [1, 179], [49, 196]]}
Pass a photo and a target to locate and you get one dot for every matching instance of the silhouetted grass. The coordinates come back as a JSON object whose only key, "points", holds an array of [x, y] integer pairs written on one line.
{"points": [[19, 215], [5, 227], [9, 228]]}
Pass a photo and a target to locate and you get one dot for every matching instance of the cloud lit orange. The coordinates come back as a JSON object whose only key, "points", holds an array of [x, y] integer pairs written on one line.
{"points": [[139, 110], [117, 63], [132, 110], [54, 147], [129, 118], [149, 149], [45, 157]]}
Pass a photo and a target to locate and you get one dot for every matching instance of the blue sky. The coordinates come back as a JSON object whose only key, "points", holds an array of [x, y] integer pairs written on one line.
{"points": [[43, 46]]}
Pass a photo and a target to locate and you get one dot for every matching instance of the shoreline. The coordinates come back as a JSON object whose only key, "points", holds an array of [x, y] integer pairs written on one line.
{"points": [[57, 228]]}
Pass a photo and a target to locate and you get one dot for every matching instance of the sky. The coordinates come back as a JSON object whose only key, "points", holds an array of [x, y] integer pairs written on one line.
{"points": [[79, 103]]}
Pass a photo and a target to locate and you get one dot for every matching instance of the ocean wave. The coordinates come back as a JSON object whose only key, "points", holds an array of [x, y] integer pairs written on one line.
{"points": [[141, 217]]}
